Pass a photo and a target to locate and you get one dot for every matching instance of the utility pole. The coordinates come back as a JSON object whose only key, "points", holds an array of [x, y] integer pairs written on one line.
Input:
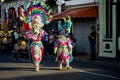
{"points": [[59, 4], [2, 12]]}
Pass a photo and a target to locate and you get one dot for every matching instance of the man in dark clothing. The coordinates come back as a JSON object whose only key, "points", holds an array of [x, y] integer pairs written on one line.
{"points": [[92, 40]]}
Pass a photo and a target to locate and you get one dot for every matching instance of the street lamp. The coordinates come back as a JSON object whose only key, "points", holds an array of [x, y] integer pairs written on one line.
{"points": [[59, 3]]}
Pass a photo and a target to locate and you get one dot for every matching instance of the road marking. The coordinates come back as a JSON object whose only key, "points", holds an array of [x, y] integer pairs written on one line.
{"points": [[97, 74]]}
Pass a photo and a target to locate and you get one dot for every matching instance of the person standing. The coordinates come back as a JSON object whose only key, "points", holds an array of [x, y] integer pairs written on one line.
{"points": [[51, 40], [37, 14], [92, 41], [63, 46]]}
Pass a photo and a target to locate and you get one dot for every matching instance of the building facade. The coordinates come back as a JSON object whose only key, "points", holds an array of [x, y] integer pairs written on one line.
{"points": [[83, 22], [109, 11]]}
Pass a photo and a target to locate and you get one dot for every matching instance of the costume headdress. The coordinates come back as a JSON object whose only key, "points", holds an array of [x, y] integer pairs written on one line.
{"points": [[23, 43], [39, 9], [14, 26], [5, 40], [66, 27]]}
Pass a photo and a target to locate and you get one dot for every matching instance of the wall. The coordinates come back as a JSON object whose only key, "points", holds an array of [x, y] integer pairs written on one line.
{"points": [[107, 44], [79, 2], [81, 30]]}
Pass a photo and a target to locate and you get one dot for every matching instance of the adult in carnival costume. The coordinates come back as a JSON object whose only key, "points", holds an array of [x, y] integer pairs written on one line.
{"points": [[35, 16], [63, 47]]}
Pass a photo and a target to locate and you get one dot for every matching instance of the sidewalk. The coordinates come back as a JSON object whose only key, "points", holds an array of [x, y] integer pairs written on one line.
{"points": [[100, 60]]}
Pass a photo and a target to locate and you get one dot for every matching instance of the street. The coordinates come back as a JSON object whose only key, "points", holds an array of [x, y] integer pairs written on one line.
{"points": [[24, 70], [87, 29]]}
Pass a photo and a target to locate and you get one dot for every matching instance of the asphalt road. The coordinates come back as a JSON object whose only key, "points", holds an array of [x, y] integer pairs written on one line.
{"points": [[24, 70]]}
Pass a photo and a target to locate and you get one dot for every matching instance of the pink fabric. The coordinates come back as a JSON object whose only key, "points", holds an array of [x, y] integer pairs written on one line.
{"points": [[65, 56], [36, 56], [61, 54], [63, 43], [51, 37], [30, 35]]}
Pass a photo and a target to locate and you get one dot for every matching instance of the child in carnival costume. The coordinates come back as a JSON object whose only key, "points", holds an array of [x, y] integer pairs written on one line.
{"points": [[63, 47], [35, 16]]}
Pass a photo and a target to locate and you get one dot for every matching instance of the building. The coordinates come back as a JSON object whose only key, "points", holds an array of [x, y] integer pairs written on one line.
{"points": [[10, 10], [84, 14], [109, 16]]}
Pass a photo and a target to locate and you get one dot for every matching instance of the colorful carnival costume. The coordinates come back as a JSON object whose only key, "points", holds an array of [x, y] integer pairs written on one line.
{"points": [[63, 47], [35, 16]]}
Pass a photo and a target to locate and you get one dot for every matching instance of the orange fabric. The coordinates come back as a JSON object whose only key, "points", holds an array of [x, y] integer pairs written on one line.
{"points": [[78, 13]]}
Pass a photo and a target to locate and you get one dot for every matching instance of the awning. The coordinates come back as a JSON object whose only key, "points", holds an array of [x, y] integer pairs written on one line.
{"points": [[79, 13]]}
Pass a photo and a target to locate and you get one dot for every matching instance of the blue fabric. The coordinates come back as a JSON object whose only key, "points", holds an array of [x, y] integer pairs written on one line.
{"points": [[16, 35]]}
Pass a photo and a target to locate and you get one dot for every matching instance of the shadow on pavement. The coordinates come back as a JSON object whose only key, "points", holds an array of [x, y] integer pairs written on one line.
{"points": [[58, 76]]}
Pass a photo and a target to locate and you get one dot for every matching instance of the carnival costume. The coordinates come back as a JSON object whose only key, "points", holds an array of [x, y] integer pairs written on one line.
{"points": [[35, 16], [63, 47]]}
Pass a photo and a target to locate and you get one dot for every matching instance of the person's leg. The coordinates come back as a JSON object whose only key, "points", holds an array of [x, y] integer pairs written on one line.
{"points": [[50, 49], [93, 50], [15, 52], [21, 54], [37, 65], [45, 48], [36, 53], [15, 55], [68, 64], [60, 66]]}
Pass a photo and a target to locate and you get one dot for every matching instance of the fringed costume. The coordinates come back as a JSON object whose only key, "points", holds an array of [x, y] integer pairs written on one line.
{"points": [[63, 47], [35, 16]]}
